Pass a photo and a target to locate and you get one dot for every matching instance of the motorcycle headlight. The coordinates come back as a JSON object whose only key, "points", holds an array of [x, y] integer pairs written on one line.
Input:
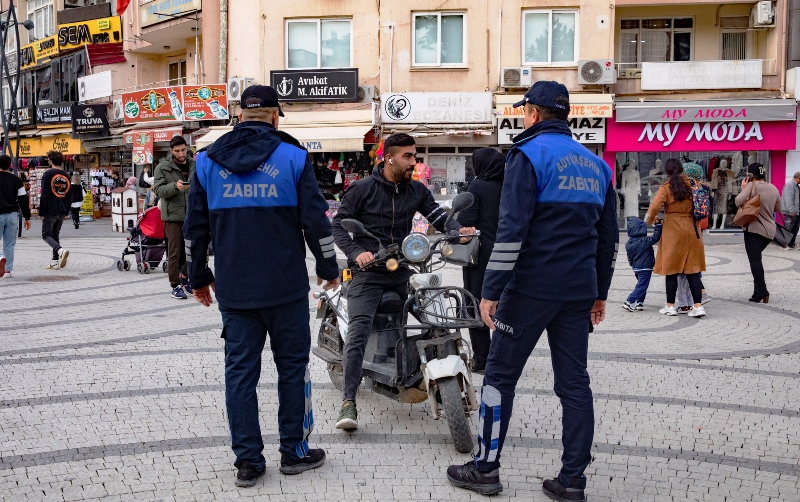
{"points": [[416, 247]]}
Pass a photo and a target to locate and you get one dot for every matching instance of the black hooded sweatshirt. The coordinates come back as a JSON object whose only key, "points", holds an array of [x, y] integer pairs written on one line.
{"points": [[484, 213]]}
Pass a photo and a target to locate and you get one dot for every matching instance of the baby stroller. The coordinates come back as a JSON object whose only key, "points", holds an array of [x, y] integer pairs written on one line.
{"points": [[147, 243]]}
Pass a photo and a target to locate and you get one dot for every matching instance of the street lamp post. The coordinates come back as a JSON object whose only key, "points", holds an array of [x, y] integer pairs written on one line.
{"points": [[13, 86], [196, 40]]}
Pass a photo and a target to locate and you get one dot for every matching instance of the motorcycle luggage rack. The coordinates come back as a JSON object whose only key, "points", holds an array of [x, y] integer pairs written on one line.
{"points": [[448, 308]]}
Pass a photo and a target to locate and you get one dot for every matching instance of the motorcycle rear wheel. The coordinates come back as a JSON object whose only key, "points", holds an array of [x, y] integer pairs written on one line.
{"points": [[457, 421]]}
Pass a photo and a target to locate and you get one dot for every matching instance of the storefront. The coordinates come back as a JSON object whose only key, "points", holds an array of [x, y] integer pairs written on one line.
{"points": [[587, 119], [448, 127], [722, 136]]}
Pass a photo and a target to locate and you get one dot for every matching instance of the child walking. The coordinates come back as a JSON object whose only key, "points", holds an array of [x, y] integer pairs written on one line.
{"points": [[641, 258]]}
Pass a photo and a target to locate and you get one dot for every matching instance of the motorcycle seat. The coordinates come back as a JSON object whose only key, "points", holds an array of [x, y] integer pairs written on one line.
{"points": [[391, 302]]}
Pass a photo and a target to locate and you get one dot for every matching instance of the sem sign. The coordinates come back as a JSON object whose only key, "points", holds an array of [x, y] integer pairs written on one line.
{"points": [[96, 31], [169, 9], [436, 108], [684, 75]]}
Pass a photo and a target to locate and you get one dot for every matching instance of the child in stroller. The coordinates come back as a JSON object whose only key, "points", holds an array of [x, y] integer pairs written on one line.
{"points": [[146, 243]]}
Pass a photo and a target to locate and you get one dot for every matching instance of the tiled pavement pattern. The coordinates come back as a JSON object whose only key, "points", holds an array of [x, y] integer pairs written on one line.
{"points": [[111, 390]]}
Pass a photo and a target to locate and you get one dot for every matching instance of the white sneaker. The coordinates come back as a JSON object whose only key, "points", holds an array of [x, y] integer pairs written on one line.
{"points": [[63, 254], [7, 275], [697, 312], [53, 265], [667, 310]]}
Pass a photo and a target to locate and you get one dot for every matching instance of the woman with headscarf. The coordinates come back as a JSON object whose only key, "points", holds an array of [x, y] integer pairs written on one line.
{"points": [[758, 234], [484, 215], [684, 298], [681, 248], [76, 193]]}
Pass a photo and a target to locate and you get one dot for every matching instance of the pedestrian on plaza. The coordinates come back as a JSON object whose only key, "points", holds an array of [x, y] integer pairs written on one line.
{"points": [[641, 258], [758, 234], [171, 184], [146, 184], [115, 181], [76, 194], [54, 206], [132, 183], [260, 277], [551, 269], [681, 249], [684, 295], [13, 200], [484, 215], [790, 200]]}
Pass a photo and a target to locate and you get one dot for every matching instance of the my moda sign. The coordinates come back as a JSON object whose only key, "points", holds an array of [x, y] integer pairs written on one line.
{"points": [[753, 110], [89, 119], [700, 136], [54, 114], [316, 85]]}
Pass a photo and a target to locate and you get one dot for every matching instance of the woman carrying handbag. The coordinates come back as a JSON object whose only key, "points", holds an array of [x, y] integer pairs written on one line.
{"points": [[484, 215], [759, 227]]}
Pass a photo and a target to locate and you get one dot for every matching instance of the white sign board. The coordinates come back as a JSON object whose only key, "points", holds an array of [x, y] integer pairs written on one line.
{"points": [[681, 75], [584, 129], [436, 108], [95, 86]]}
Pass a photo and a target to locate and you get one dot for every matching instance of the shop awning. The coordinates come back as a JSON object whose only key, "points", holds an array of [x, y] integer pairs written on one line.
{"points": [[211, 136], [712, 110], [55, 131], [103, 54], [426, 131]]}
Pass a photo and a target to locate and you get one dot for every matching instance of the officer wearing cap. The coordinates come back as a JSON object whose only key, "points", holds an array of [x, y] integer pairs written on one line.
{"points": [[255, 196], [550, 269]]}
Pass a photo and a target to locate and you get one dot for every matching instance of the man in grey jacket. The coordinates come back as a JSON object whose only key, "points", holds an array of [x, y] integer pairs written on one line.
{"points": [[171, 184], [790, 200]]}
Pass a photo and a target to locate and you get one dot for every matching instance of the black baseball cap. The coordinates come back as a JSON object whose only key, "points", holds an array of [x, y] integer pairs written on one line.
{"points": [[260, 96], [547, 93]]}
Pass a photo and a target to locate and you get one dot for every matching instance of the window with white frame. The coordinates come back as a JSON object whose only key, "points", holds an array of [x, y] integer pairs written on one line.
{"points": [[655, 40], [440, 39], [319, 43], [41, 13], [549, 37]]}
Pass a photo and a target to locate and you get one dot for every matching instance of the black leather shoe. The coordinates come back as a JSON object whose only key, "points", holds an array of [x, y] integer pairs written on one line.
{"points": [[313, 459], [556, 491], [468, 476], [247, 475]]}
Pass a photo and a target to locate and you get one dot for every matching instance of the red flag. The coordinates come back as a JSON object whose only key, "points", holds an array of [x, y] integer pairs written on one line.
{"points": [[122, 5]]}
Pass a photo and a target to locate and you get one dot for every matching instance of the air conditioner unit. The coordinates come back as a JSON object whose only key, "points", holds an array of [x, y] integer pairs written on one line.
{"points": [[633, 73], [236, 86], [116, 110], [366, 93], [762, 15], [596, 72], [74, 3], [516, 77]]}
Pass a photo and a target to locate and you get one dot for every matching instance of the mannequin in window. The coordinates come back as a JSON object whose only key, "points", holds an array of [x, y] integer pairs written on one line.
{"points": [[721, 187], [737, 166], [654, 180], [631, 182]]}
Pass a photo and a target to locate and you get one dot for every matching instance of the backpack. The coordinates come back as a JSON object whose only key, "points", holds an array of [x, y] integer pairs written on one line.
{"points": [[700, 204]]}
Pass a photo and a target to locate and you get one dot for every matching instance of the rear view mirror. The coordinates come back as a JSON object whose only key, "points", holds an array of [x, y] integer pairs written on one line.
{"points": [[462, 201], [354, 226]]}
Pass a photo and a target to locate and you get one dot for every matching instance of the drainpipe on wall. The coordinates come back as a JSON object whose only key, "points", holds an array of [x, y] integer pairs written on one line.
{"points": [[223, 41]]}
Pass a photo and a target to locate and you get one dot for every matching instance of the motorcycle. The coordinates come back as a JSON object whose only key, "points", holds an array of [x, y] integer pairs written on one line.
{"points": [[407, 361]]}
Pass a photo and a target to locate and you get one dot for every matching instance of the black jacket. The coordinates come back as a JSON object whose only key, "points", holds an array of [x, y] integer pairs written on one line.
{"points": [[55, 199], [13, 196], [387, 210], [639, 246], [76, 193], [484, 213]]}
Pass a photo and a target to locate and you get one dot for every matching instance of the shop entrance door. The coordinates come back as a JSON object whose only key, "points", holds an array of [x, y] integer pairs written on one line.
{"points": [[447, 170]]}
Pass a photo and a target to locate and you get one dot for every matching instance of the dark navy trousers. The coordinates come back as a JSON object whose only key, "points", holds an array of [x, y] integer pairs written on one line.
{"points": [[290, 341], [520, 321]]}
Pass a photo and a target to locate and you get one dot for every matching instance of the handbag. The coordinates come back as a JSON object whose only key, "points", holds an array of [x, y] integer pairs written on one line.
{"points": [[783, 235], [465, 255], [748, 213]]}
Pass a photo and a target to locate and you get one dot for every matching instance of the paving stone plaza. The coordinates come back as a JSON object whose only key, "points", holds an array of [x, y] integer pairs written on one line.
{"points": [[112, 390]]}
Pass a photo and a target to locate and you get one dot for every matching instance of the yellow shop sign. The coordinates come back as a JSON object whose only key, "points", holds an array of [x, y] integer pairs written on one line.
{"points": [[39, 146], [95, 31]]}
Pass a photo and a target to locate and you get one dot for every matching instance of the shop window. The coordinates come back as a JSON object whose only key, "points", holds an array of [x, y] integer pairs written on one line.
{"points": [[549, 37], [655, 40], [319, 43], [66, 72], [177, 73], [734, 45], [44, 81], [41, 13], [440, 39]]}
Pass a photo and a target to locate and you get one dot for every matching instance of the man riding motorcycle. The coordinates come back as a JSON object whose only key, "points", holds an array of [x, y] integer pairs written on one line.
{"points": [[385, 203]]}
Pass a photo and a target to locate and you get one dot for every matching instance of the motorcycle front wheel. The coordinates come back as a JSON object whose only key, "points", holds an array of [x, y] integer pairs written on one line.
{"points": [[457, 421]]}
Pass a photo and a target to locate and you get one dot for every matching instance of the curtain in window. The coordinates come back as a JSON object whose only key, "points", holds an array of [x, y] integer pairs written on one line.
{"points": [[335, 44], [426, 39], [452, 39], [628, 47], [655, 46], [303, 45], [563, 38], [536, 36]]}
